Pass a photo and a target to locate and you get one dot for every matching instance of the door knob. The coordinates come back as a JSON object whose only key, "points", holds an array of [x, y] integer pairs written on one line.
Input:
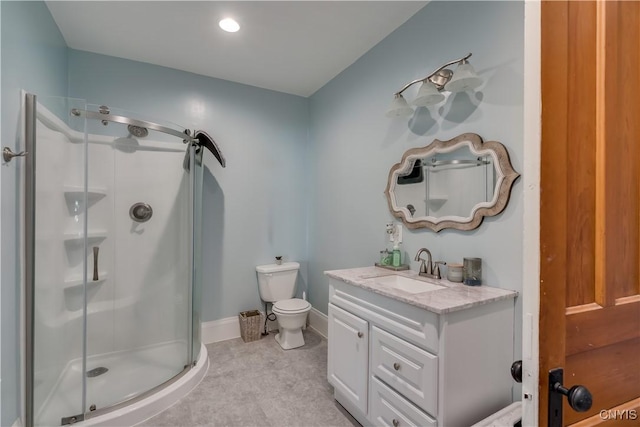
{"points": [[579, 397], [360, 334], [516, 371]]}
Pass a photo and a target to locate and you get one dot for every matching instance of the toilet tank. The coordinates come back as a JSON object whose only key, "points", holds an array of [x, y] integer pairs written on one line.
{"points": [[277, 282]]}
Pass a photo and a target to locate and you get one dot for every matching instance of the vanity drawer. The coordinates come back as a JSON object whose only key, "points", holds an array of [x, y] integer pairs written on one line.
{"points": [[390, 409], [414, 324], [408, 369]]}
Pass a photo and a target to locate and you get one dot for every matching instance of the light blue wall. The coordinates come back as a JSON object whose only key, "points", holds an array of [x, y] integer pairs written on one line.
{"points": [[353, 145], [255, 208], [305, 177], [34, 58]]}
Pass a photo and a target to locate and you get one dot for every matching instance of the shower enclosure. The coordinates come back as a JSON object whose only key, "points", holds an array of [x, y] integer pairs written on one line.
{"points": [[112, 229]]}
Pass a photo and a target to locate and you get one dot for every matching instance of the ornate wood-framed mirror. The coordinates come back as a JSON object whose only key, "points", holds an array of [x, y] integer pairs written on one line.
{"points": [[451, 184]]}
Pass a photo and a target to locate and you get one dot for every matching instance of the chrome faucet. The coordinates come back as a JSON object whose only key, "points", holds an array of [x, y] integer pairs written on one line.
{"points": [[427, 267]]}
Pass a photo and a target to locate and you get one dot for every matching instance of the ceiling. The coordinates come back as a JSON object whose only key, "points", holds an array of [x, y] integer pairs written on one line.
{"points": [[293, 46]]}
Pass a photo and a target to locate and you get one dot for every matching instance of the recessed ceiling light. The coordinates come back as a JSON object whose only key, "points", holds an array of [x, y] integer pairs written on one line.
{"points": [[229, 25]]}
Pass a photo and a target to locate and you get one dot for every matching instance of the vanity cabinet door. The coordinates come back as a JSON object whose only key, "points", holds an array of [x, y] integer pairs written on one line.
{"points": [[348, 358]]}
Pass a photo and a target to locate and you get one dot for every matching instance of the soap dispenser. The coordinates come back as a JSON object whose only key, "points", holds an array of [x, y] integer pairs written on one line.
{"points": [[396, 259]]}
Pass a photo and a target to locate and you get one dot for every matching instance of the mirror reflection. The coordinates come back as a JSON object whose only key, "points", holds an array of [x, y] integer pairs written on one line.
{"points": [[451, 184]]}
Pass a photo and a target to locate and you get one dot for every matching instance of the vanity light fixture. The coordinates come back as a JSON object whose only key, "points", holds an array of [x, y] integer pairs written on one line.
{"points": [[442, 79]]}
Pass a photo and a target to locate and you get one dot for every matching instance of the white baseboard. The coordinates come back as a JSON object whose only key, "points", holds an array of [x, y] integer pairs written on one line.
{"points": [[229, 327], [319, 322], [220, 330]]}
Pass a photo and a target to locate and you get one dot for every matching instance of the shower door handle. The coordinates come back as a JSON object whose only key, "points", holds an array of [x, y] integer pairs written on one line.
{"points": [[95, 263]]}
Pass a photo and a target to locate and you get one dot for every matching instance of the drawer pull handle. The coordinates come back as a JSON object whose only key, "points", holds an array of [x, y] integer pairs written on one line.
{"points": [[396, 366], [360, 334], [395, 423]]}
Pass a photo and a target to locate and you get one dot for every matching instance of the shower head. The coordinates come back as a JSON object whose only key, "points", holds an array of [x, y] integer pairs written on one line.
{"points": [[138, 131]]}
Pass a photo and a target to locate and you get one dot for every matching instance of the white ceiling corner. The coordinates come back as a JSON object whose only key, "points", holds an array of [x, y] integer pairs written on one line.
{"points": [[294, 47]]}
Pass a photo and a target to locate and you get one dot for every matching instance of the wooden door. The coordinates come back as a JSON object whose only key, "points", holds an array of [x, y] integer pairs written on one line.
{"points": [[590, 206]]}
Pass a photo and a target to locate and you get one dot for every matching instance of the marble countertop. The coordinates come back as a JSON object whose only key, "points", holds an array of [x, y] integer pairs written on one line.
{"points": [[452, 297]]}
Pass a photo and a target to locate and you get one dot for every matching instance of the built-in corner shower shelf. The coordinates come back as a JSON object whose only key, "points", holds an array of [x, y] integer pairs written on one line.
{"points": [[440, 198], [77, 296], [74, 195], [436, 201], [77, 282], [77, 238], [77, 191]]}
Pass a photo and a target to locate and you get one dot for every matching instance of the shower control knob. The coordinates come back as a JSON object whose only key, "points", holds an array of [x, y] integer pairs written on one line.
{"points": [[140, 212]]}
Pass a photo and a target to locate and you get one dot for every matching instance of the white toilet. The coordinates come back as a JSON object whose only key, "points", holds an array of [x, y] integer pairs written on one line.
{"points": [[277, 284]]}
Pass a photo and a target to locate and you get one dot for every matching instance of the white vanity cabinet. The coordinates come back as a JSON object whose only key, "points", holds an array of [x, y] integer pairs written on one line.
{"points": [[395, 364], [348, 368]]}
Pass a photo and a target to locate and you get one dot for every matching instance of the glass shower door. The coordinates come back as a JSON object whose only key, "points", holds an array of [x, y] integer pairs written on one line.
{"points": [[197, 177], [109, 227], [139, 238], [55, 238]]}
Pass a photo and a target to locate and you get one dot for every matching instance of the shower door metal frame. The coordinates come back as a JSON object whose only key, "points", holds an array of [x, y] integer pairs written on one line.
{"points": [[29, 253], [108, 117], [30, 120]]}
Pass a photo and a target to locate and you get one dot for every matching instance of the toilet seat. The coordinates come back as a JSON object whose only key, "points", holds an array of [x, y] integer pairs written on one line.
{"points": [[291, 306]]}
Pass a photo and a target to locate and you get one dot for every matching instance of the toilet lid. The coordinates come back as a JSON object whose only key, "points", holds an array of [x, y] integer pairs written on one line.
{"points": [[293, 304]]}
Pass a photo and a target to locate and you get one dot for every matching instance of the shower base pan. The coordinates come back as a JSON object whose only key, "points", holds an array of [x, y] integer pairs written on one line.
{"points": [[139, 368]]}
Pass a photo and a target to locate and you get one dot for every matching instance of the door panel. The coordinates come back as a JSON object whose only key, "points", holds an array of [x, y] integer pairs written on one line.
{"points": [[590, 202], [607, 373]]}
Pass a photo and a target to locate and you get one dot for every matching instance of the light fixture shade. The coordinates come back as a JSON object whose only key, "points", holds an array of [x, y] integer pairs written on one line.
{"points": [[427, 95], [399, 108], [464, 78]]}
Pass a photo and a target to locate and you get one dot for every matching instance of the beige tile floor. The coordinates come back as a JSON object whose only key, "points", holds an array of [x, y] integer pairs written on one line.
{"points": [[260, 384]]}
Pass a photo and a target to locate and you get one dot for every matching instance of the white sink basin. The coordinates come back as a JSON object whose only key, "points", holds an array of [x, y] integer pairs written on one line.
{"points": [[407, 284]]}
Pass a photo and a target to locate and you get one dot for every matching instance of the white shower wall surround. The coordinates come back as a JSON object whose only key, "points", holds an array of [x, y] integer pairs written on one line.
{"points": [[138, 306]]}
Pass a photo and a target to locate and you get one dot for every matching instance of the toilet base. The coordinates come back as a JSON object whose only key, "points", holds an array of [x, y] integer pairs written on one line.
{"points": [[290, 338]]}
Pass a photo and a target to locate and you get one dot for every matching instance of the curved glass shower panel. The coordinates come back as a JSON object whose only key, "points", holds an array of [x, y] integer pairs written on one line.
{"points": [[112, 259], [197, 176], [138, 286], [61, 200]]}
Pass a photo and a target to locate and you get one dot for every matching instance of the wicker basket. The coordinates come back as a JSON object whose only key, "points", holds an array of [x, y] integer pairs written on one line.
{"points": [[250, 323]]}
